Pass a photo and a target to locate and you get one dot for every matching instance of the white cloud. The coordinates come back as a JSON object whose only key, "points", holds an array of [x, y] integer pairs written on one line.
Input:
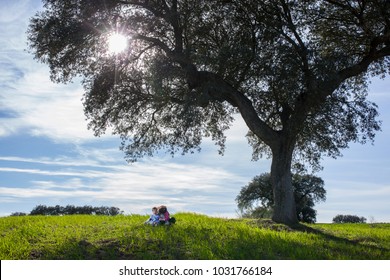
{"points": [[46, 109], [60, 160], [88, 174], [134, 188]]}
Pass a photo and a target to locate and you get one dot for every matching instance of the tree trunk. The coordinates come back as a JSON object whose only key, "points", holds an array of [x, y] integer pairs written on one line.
{"points": [[281, 178]]}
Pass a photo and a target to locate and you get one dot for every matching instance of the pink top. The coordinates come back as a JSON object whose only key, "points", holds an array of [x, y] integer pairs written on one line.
{"points": [[166, 216]]}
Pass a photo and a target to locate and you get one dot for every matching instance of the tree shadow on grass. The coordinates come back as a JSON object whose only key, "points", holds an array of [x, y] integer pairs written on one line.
{"points": [[365, 245], [326, 235]]}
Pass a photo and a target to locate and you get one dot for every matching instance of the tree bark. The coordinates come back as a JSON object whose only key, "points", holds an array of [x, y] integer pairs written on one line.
{"points": [[281, 178]]}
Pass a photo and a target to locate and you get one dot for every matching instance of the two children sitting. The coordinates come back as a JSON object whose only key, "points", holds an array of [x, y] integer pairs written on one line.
{"points": [[160, 216]]}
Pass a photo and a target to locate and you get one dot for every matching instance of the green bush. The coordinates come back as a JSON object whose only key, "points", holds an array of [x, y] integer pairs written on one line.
{"points": [[341, 219]]}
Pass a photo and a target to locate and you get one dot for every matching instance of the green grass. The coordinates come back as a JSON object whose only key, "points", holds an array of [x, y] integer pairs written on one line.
{"points": [[192, 237]]}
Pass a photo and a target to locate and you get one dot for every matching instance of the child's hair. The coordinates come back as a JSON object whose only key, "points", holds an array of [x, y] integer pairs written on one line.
{"points": [[162, 209], [154, 208]]}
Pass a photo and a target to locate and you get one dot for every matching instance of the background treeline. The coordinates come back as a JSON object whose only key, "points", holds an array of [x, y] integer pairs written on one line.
{"points": [[71, 210]]}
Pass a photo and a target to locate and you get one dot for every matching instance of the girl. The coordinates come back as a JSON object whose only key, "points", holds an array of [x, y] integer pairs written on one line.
{"points": [[164, 215]]}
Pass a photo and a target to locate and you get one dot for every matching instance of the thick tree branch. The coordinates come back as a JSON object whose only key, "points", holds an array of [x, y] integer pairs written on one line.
{"points": [[363, 65], [154, 41], [220, 90]]}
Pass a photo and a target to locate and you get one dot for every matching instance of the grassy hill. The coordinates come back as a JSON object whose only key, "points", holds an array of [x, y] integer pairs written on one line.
{"points": [[192, 237]]}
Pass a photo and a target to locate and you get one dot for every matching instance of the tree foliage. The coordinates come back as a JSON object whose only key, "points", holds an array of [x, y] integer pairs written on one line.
{"points": [[256, 199], [296, 72]]}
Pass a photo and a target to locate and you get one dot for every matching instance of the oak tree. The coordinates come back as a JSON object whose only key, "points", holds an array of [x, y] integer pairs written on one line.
{"points": [[296, 72]]}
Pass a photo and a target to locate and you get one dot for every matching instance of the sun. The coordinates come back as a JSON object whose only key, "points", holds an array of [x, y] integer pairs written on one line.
{"points": [[117, 43]]}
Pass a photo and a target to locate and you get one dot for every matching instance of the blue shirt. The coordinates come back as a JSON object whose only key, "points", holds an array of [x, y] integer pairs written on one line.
{"points": [[154, 218]]}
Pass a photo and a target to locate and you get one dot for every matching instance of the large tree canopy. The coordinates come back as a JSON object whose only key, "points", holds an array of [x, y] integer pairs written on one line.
{"points": [[296, 71]]}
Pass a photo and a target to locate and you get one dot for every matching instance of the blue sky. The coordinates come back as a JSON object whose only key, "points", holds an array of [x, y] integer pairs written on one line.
{"points": [[48, 156]]}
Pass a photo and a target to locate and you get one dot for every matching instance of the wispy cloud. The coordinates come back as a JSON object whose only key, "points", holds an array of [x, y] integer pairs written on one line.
{"points": [[46, 109], [56, 161], [133, 188], [88, 174], [39, 107]]}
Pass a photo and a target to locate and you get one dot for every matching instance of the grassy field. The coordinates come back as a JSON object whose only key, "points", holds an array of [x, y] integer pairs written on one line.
{"points": [[192, 237]]}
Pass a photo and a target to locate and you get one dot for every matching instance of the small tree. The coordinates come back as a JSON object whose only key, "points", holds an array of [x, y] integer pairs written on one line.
{"points": [[308, 189], [342, 219]]}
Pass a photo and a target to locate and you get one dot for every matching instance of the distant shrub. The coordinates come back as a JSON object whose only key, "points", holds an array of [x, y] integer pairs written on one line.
{"points": [[18, 214], [74, 210], [342, 219]]}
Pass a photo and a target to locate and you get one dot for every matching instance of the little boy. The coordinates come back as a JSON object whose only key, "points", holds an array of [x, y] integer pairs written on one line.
{"points": [[154, 218]]}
